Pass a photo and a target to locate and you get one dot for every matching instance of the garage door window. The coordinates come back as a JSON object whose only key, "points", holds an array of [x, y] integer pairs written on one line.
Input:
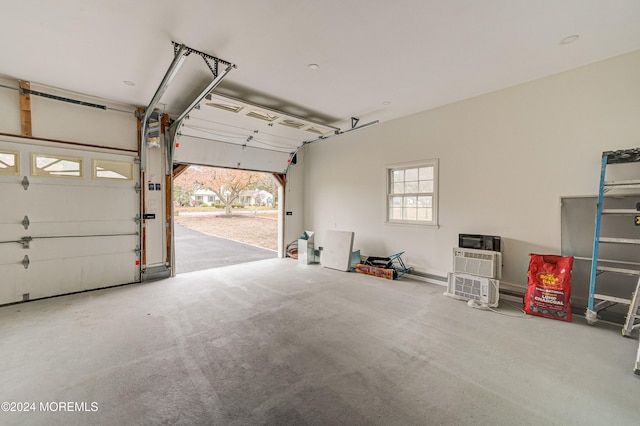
{"points": [[56, 166], [9, 163], [412, 193], [117, 170]]}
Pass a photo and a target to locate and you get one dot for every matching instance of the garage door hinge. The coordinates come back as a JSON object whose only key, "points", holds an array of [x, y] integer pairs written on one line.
{"points": [[137, 219], [25, 183], [25, 222], [25, 262], [137, 250], [25, 242], [138, 188]]}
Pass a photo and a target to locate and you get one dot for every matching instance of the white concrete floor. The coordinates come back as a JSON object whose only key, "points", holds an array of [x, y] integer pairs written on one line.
{"points": [[274, 342]]}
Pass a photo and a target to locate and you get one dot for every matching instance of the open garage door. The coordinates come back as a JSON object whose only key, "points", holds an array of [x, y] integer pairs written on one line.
{"points": [[227, 132], [207, 234], [69, 219]]}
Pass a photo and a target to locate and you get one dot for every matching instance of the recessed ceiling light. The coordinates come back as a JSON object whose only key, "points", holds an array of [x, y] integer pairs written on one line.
{"points": [[386, 103], [569, 39], [129, 83], [313, 66]]}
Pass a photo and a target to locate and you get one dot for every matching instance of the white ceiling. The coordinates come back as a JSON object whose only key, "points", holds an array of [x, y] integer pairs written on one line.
{"points": [[412, 54]]}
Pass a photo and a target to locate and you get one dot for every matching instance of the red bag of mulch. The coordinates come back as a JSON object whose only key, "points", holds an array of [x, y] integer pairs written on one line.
{"points": [[549, 286]]}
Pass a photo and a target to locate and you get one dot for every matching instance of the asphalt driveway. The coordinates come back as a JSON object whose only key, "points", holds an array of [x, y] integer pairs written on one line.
{"points": [[196, 251]]}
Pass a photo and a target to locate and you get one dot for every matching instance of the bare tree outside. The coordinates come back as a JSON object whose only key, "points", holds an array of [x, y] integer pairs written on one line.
{"points": [[200, 194], [267, 183]]}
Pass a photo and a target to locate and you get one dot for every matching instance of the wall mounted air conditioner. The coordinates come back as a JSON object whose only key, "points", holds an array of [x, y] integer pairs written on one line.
{"points": [[483, 263], [484, 290]]}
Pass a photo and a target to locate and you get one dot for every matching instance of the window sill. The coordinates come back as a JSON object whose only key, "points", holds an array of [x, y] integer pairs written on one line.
{"points": [[413, 224]]}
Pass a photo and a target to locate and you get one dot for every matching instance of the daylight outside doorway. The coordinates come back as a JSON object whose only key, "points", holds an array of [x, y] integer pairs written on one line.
{"points": [[224, 217]]}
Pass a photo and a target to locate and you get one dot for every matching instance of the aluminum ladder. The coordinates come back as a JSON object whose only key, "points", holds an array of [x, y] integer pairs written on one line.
{"points": [[630, 324], [599, 300]]}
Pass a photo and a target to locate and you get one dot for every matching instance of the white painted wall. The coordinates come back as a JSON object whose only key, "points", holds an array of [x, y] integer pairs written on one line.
{"points": [[56, 120], [506, 158], [52, 119], [9, 107]]}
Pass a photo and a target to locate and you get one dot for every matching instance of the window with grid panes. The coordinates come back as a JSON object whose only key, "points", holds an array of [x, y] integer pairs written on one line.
{"points": [[412, 193]]}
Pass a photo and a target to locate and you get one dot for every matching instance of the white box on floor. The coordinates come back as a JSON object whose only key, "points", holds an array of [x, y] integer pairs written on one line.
{"points": [[306, 249], [338, 246]]}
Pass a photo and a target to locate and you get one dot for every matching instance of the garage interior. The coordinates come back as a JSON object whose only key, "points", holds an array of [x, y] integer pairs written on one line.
{"points": [[503, 111]]}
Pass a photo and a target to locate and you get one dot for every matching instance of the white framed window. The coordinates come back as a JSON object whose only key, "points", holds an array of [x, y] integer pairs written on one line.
{"points": [[9, 163], [412, 193], [108, 169], [56, 166]]}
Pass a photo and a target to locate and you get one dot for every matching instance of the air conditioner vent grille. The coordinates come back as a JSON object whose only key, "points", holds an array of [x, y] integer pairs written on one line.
{"points": [[477, 262], [482, 256], [469, 287]]}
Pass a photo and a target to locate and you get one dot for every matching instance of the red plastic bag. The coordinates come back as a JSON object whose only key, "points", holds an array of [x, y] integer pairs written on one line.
{"points": [[549, 286]]}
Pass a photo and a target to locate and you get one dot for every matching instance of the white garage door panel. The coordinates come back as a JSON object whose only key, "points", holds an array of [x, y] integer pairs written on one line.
{"points": [[11, 254], [90, 273], [51, 248], [10, 231], [84, 234], [111, 227], [49, 202], [62, 276], [219, 154], [16, 231], [10, 289], [10, 225]]}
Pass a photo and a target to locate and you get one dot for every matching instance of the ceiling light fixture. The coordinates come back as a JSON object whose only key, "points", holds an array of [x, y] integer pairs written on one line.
{"points": [[386, 103], [569, 39], [129, 83], [313, 66]]}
